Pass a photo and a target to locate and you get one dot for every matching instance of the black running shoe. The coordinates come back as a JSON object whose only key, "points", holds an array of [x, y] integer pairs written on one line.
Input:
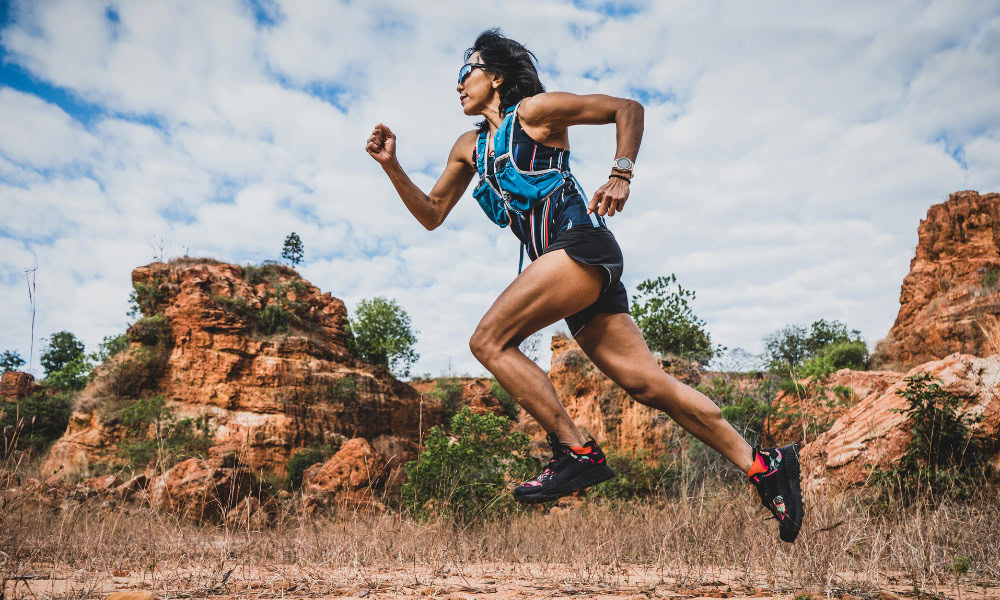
{"points": [[566, 473], [778, 487]]}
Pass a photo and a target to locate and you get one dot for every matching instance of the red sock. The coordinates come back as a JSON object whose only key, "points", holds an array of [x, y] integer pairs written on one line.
{"points": [[759, 466], [581, 449]]}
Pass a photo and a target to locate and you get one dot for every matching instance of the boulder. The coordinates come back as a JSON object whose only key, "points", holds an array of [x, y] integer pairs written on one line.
{"points": [[203, 490], [873, 434], [347, 480], [15, 385]]}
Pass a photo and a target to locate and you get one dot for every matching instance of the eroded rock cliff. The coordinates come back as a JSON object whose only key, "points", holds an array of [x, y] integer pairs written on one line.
{"points": [[950, 300], [261, 353]]}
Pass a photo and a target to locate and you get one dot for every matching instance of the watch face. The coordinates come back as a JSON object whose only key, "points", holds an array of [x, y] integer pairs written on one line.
{"points": [[623, 163]]}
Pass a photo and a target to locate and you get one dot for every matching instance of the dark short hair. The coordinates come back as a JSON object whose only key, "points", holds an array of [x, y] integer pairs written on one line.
{"points": [[513, 61]]}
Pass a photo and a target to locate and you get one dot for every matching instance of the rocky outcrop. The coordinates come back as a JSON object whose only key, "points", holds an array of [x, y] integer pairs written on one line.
{"points": [[265, 390], [204, 490], [950, 300], [873, 434], [347, 480], [800, 417], [474, 392], [15, 385]]}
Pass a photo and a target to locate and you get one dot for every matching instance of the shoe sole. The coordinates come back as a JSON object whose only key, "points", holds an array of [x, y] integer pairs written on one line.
{"points": [[793, 493], [584, 480]]}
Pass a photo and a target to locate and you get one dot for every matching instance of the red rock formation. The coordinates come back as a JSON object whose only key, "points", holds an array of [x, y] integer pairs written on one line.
{"points": [[348, 479], [476, 392], [15, 385], [203, 490], [950, 300], [800, 418], [265, 394], [871, 433]]}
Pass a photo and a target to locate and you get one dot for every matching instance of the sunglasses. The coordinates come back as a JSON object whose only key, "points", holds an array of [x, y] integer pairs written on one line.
{"points": [[467, 68]]}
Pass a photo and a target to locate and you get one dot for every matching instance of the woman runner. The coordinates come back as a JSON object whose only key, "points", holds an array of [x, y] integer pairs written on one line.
{"points": [[520, 152]]}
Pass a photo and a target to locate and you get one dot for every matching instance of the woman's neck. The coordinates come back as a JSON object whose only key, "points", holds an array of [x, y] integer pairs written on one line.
{"points": [[492, 113]]}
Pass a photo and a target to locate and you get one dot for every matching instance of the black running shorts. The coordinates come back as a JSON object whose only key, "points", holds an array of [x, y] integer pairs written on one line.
{"points": [[595, 246]]}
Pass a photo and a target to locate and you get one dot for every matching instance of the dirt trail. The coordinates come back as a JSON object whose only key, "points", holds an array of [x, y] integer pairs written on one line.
{"points": [[480, 581]]}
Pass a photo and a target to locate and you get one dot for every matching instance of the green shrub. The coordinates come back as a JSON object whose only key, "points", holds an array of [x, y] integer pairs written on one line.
{"points": [[112, 345], [792, 387], [274, 318], [745, 407], [304, 458], [153, 435], [469, 471], [38, 420], [942, 459], [990, 280], [146, 298], [234, 304], [511, 409], [636, 477], [843, 394], [345, 390], [150, 331], [278, 313], [267, 272], [449, 391]]}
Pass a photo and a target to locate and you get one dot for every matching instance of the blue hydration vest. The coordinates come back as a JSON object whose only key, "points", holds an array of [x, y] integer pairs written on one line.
{"points": [[509, 188]]}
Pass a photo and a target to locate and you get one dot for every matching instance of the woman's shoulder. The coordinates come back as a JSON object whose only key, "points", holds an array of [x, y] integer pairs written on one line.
{"points": [[465, 145], [532, 109]]}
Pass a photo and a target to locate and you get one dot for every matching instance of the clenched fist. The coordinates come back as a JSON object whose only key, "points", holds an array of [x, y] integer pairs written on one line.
{"points": [[382, 144]]}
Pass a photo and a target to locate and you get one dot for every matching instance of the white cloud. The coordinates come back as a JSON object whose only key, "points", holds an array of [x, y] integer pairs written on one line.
{"points": [[789, 150]]}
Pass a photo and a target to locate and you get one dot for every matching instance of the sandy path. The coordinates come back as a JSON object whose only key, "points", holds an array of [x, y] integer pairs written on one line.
{"points": [[465, 582]]}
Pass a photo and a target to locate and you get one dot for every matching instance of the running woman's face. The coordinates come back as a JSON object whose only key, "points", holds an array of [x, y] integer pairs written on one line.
{"points": [[476, 91]]}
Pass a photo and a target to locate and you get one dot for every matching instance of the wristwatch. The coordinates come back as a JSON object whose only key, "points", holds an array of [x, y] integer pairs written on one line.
{"points": [[624, 164]]}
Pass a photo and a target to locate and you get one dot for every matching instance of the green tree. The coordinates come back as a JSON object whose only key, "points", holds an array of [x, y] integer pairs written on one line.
{"points": [[661, 310], [292, 250], [62, 348], [381, 334], [73, 376], [792, 346], [10, 361]]}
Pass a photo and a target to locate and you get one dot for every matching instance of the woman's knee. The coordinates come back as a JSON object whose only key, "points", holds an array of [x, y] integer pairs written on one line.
{"points": [[484, 346]]}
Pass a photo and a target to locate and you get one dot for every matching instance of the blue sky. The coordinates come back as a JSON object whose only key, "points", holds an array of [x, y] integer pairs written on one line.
{"points": [[790, 150]]}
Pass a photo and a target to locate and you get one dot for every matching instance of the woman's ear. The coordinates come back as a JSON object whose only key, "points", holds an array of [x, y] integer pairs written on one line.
{"points": [[497, 80]]}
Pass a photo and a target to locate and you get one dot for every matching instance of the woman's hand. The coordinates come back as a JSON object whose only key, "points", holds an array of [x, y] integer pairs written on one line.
{"points": [[382, 145], [609, 198]]}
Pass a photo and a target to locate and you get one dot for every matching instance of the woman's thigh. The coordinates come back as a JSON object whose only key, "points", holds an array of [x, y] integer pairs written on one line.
{"points": [[553, 287]]}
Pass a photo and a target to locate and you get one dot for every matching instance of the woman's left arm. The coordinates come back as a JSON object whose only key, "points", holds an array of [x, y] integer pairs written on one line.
{"points": [[553, 112]]}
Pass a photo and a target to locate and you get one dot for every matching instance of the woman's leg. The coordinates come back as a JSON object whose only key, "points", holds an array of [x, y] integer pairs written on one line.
{"points": [[552, 287], [615, 344]]}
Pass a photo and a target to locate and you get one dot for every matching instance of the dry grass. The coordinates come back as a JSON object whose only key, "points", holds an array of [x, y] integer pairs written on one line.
{"points": [[685, 542]]}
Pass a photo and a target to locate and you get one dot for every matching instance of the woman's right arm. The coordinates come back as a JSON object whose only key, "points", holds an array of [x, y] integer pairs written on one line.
{"points": [[432, 209]]}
